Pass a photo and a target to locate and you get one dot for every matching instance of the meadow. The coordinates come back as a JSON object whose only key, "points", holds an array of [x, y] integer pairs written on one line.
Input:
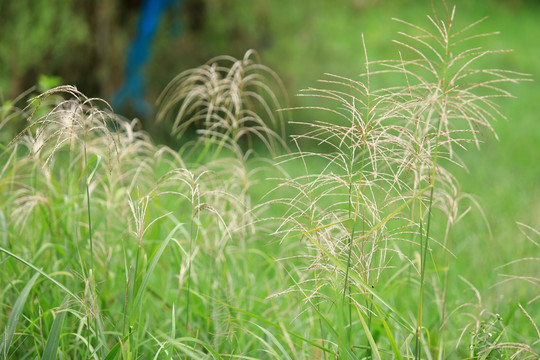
{"points": [[361, 224]]}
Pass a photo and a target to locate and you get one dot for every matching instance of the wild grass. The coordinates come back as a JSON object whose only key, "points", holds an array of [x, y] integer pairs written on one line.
{"points": [[228, 100], [114, 247]]}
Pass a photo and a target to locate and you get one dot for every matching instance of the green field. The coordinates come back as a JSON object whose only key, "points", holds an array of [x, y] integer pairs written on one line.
{"points": [[389, 212]]}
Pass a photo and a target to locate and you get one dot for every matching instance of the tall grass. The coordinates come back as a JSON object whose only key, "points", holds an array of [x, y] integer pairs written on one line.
{"points": [[114, 247], [368, 215]]}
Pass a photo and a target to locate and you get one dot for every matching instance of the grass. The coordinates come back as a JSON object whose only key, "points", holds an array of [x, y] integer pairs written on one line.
{"points": [[347, 247]]}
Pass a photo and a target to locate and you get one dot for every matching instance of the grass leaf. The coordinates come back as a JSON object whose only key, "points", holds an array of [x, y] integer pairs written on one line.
{"points": [[151, 267], [51, 347], [42, 273], [13, 320]]}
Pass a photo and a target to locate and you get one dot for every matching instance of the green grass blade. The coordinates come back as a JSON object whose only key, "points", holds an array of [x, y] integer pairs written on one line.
{"points": [[95, 159], [151, 267], [266, 321], [13, 320], [275, 341], [374, 349], [393, 343], [115, 350], [42, 273], [192, 351], [113, 353], [269, 351], [51, 347]]}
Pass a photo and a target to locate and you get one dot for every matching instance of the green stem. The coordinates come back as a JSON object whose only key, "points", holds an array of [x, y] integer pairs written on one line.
{"points": [[190, 253], [90, 240]]}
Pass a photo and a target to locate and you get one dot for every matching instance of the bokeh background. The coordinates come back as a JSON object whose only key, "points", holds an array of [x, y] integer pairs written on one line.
{"points": [[91, 44], [127, 51]]}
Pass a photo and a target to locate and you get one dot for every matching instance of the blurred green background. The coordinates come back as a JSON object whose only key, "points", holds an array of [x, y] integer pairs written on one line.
{"points": [[86, 43]]}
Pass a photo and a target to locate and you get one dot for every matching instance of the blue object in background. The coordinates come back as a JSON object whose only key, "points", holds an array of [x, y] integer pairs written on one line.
{"points": [[132, 91]]}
